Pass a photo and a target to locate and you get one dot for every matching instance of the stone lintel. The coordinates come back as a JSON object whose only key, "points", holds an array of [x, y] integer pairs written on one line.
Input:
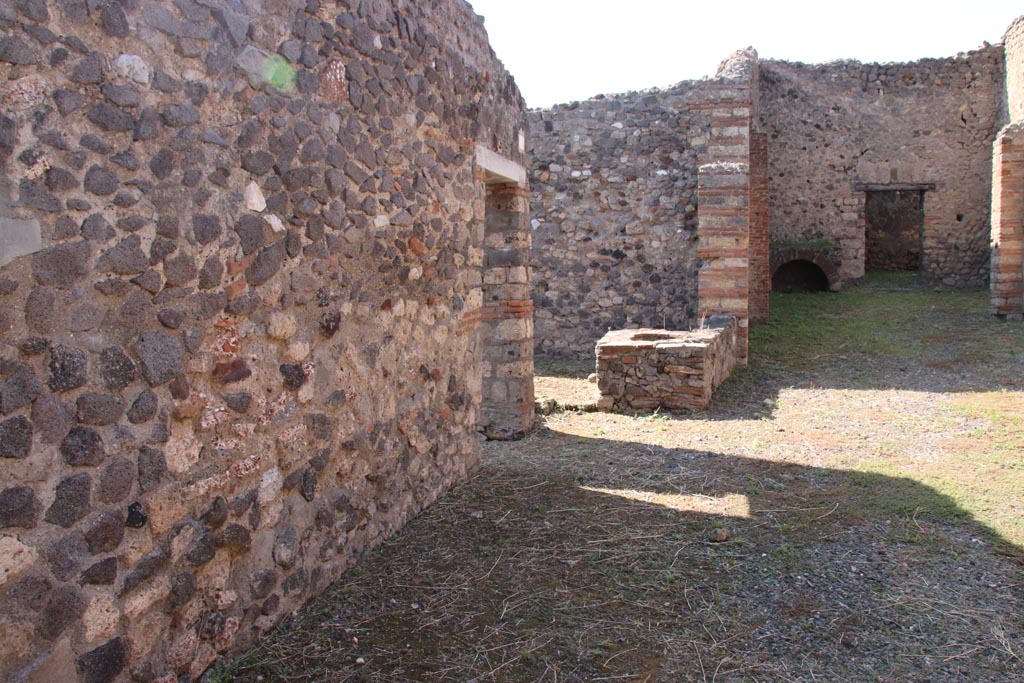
{"points": [[499, 169]]}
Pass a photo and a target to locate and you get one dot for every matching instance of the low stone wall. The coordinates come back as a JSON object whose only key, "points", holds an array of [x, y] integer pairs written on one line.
{"points": [[644, 369]]}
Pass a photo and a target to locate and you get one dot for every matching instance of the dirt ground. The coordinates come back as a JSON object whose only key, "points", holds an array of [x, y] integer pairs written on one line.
{"points": [[851, 508]]}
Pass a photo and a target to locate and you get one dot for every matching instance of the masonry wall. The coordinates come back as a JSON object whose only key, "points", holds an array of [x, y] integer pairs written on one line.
{"points": [[1013, 50], [614, 205], [1008, 186], [931, 122], [239, 282]]}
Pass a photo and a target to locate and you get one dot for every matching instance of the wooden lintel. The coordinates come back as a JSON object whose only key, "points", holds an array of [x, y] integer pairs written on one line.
{"points": [[882, 187]]}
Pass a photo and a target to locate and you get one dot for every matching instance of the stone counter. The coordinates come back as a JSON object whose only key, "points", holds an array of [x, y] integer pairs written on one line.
{"points": [[644, 369]]}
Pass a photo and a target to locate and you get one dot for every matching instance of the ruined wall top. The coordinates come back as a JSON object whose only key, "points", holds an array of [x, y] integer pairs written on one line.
{"points": [[1013, 42]]}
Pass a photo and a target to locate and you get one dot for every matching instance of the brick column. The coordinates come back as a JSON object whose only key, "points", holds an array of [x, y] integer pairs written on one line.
{"points": [[506, 322], [1008, 223], [760, 258], [723, 218]]}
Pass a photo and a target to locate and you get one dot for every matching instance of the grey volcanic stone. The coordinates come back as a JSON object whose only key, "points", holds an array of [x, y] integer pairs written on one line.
{"points": [[145, 568], [162, 355], [217, 514], [33, 194], [104, 664], [82, 446], [205, 228], [20, 389], [72, 500], [62, 265], [202, 550], [111, 118], [34, 10], [100, 181], [266, 264], [162, 163], [286, 546], [117, 370], [68, 368], [19, 507], [250, 232], [15, 437], [65, 606], [179, 115], [105, 533], [183, 588], [114, 22], [68, 101], [99, 409], [152, 468], [15, 50], [89, 70], [60, 180], [170, 318], [52, 418], [180, 270], [211, 273], [261, 583], [257, 162], [233, 536], [64, 555], [122, 95], [148, 126], [33, 346], [238, 402], [124, 258], [103, 573], [294, 375], [116, 481], [96, 227], [143, 408], [39, 310]]}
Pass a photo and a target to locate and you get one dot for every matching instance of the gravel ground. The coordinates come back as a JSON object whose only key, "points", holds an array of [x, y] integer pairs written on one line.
{"points": [[845, 512]]}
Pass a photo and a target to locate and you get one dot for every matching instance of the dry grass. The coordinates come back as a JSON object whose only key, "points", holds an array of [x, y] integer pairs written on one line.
{"points": [[870, 500]]}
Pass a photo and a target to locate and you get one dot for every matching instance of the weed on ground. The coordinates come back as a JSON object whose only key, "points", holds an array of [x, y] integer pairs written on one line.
{"points": [[849, 509]]}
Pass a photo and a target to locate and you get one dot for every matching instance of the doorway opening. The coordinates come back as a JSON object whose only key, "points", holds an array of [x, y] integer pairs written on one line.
{"points": [[893, 230]]}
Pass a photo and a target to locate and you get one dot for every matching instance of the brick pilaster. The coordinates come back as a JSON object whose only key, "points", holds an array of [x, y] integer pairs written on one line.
{"points": [[506, 316], [1007, 281], [760, 257]]}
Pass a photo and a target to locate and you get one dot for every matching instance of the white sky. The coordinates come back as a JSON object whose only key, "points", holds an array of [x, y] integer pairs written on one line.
{"points": [[564, 50]]}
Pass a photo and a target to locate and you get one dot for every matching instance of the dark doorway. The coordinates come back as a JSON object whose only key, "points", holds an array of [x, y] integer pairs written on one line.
{"points": [[894, 223], [799, 276]]}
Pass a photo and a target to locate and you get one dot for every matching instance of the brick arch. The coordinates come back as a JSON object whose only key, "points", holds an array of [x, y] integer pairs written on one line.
{"points": [[826, 263]]}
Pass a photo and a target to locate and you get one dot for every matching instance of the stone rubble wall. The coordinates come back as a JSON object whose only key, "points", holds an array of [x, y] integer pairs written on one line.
{"points": [[1013, 47], [240, 271], [930, 122], [614, 182], [620, 237]]}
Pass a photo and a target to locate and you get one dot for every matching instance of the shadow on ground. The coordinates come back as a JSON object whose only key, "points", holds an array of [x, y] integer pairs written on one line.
{"points": [[848, 510], [664, 564]]}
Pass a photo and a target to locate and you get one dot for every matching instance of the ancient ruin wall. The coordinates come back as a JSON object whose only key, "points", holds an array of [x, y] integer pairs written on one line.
{"points": [[240, 271], [614, 185], [1008, 186], [931, 122], [1013, 46]]}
